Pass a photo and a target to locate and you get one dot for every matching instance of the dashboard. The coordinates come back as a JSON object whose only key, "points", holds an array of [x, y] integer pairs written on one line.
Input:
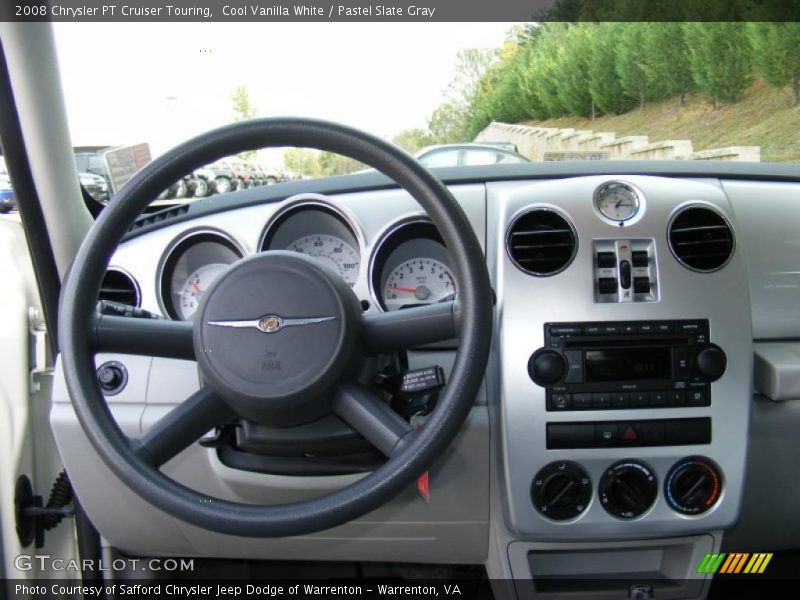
{"points": [[621, 396]]}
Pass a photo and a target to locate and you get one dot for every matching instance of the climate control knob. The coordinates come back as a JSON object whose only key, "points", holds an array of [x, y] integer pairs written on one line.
{"points": [[693, 485], [546, 367], [561, 490], [627, 489], [711, 362]]}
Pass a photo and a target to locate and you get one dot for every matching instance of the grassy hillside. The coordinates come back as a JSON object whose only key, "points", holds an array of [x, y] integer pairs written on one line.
{"points": [[763, 118]]}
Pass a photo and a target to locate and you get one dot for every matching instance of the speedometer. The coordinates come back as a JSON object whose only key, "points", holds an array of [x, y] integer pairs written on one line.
{"points": [[418, 281], [195, 286], [332, 250]]}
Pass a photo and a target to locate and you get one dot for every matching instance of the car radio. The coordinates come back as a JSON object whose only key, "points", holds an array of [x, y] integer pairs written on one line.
{"points": [[627, 365]]}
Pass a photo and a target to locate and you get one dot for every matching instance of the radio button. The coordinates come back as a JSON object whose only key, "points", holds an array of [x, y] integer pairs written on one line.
{"points": [[574, 366], [606, 434], [593, 330], [664, 328], [620, 399], [560, 402], [601, 400], [697, 397], [561, 330], [647, 328], [659, 399], [683, 362], [610, 329], [581, 401], [640, 400], [628, 328], [689, 327], [676, 398]]}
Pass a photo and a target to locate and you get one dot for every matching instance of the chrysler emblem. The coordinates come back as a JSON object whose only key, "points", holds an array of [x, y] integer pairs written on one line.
{"points": [[271, 323]]}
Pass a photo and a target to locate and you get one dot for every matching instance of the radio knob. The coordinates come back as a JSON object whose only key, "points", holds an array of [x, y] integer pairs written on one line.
{"points": [[546, 367], [711, 362]]}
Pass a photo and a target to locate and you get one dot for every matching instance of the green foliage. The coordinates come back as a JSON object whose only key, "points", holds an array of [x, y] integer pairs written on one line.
{"points": [[412, 140], [573, 64], [604, 84], [313, 163], [776, 54], [666, 60], [447, 124], [630, 62], [719, 55]]}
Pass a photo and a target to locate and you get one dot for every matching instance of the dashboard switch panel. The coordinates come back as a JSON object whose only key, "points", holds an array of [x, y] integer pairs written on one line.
{"points": [[625, 271]]}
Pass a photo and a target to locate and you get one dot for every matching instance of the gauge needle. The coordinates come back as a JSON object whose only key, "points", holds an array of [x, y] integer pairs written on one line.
{"points": [[196, 288], [403, 289]]}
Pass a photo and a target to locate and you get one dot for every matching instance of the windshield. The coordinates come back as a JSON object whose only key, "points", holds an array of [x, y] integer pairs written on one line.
{"points": [[583, 91]]}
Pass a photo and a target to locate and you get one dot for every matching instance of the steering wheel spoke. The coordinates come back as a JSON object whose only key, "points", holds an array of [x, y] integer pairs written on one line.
{"points": [[371, 417], [148, 337], [181, 427], [410, 327]]}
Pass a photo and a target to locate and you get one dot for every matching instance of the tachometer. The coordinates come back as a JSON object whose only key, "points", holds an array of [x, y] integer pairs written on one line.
{"points": [[418, 281], [332, 250], [192, 290]]}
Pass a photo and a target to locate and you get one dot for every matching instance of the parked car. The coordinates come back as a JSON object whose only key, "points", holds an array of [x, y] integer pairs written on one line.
{"points": [[96, 185], [7, 200], [201, 183], [242, 173], [471, 154], [92, 162], [225, 178]]}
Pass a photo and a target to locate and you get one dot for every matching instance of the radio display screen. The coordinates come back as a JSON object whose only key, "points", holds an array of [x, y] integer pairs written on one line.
{"points": [[622, 364]]}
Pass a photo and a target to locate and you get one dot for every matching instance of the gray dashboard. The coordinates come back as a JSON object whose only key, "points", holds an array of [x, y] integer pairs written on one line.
{"points": [[481, 503]]}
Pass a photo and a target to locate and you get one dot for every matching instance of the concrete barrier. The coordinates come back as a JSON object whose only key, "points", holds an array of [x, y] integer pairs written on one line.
{"points": [[551, 143], [621, 148], [748, 153], [666, 150], [592, 142]]}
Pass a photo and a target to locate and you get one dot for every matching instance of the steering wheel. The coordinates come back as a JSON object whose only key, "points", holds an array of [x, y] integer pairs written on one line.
{"points": [[279, 339]]}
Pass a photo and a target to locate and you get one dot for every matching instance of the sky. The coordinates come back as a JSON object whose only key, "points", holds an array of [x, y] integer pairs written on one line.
{"points": [[162, 83]]}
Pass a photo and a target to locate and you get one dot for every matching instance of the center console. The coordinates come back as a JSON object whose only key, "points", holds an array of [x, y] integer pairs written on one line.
{"points": [[621, 417]]}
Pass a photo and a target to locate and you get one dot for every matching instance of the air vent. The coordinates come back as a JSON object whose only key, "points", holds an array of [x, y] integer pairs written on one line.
{"points": [[701, 239], [159, 217], [541, 242], [120, 287]]}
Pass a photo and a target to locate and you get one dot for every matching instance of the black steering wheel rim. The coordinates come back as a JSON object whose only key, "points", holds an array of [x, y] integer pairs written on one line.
{"points": [[78, 311]]}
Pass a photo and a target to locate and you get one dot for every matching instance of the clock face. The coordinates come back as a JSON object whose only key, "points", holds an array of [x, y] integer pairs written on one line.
{"points": [[617, 201]]}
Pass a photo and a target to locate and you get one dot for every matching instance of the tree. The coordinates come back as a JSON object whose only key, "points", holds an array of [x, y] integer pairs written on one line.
{"points": [[666, 63], [573, 64], [412, 140], [543, 73], [604, 85], [776, 54], [720, 59], [243, 109], [630, 62], [447, 124]]}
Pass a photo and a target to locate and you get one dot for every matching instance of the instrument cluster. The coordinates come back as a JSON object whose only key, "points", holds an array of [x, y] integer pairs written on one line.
{"points": [[409, 264]]}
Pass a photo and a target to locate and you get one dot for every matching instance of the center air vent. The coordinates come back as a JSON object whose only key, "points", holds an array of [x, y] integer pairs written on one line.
{"points": [[701, 239], [541, 242], [118, 286]]}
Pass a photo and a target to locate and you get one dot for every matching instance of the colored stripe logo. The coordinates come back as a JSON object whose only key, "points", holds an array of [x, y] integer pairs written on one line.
{"points": [[734, 563]]}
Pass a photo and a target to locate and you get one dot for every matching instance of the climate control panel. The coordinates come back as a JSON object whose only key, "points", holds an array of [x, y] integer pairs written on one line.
{"points": [[627, 489]]}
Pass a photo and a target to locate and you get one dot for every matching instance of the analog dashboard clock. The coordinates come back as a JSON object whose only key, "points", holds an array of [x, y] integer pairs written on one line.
{"points": [[617, 201]]}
